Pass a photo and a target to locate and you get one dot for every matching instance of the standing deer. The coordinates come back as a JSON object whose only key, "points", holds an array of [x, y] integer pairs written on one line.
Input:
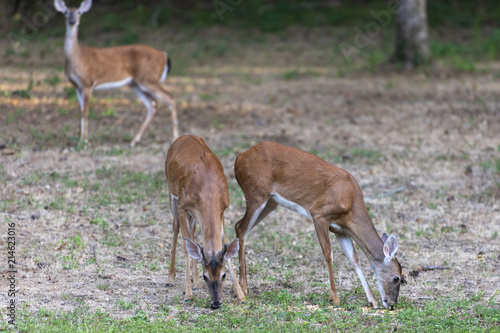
{"points": [[272, 174], [140, 67], [198, 192]]}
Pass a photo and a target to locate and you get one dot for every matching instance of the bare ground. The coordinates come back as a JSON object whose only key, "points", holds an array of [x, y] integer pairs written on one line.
{"points": [[94, 226]]}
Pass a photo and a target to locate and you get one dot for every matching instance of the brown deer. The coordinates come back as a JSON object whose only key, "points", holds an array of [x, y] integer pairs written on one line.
{"points": [[140, 67], [272, 174], [198, 192]]}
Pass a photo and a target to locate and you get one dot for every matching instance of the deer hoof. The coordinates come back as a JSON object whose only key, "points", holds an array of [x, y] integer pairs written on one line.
{"points": [[169, 285]]}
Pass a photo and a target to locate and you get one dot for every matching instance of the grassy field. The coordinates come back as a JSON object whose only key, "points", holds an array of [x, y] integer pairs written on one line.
{"points": [[93, 224], [278, 311]]}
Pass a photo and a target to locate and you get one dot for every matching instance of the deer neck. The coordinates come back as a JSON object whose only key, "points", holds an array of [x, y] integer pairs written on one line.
{"points": [[363, 231], [368, 240], [71, 46], [211, 233], [372, 247]]}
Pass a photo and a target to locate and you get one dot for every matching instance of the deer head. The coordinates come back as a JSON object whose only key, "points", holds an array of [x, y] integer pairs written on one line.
{"points": [[388, 281], [213, 267], [72, 14]]}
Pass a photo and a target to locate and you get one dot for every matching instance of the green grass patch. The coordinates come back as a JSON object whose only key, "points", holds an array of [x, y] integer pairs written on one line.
{"points": [[53, 81], [275, 311], [70, 93], [118, 186], [370, 156], [10, 118], [298, 74]]}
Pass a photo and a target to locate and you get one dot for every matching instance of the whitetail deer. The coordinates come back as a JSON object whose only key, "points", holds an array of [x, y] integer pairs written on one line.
{"points": [[198, 192], [140, 67], [272, 174]]}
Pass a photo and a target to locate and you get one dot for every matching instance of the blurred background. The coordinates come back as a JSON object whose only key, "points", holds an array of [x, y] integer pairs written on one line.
{"points": [[461, 32]]}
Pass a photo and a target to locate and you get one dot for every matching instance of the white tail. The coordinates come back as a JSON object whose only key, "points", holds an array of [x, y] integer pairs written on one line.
{"points": [[272, 174], [198, 192], [140, 67]]}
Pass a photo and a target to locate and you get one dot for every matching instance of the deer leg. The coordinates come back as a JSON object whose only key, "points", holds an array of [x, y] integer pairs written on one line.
{"points": [[236, 286], [256, 211], [322, 231], [188, 292], [194, 271], [151, 105], [83, 95], [175, 226], [158, 91], [346, 245]]}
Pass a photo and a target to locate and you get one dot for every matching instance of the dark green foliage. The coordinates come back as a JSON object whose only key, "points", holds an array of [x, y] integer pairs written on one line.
{"points": [[267, 15]]}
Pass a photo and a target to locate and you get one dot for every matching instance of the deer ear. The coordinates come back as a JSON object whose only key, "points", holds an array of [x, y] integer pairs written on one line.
{"points": [[232, 248], [85, 6], [194, 250], [384, 237], [60, 6], [390, 247]]}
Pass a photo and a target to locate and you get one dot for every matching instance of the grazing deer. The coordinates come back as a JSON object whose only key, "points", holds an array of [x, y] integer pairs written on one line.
{"points": [[272, 174], [198, 192], [140, 67]]}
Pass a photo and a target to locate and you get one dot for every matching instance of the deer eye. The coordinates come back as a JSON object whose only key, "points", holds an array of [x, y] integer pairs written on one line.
{"points": [[223, 276], [396, 279]]}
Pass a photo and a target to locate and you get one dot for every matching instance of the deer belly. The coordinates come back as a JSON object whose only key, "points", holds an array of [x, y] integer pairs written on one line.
{"points": [[113, 85], [290, 205]]}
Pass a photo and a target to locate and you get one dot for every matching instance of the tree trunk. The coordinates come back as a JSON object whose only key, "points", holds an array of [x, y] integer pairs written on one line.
{"points": [[412, 33]]}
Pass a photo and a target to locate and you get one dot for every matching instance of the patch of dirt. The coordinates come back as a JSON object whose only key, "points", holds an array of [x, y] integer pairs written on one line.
{"points": [[85, 237]]}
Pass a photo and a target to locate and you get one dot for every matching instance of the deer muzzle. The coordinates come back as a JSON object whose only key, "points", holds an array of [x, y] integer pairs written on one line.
{"points": [[215, 302], [215, 305], [71, 19]]}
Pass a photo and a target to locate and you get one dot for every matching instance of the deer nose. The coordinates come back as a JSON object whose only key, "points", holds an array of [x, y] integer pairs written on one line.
{"points": [[390, 305], [215, 305], [71, 21]]}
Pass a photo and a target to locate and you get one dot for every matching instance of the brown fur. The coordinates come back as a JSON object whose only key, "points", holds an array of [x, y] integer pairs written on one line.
{"points": [[115, 64], [89, 67], [328, 193], [196, 178]]}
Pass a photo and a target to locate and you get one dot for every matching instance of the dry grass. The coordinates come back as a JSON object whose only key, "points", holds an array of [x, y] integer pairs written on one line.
{"points": [[94, 227]]}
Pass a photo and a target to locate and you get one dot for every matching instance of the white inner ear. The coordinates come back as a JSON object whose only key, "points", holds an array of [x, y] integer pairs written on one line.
{"points": [[193, 249], [390, 247], [386, 252], [60, 6], [85, 6], [232, 249]]}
